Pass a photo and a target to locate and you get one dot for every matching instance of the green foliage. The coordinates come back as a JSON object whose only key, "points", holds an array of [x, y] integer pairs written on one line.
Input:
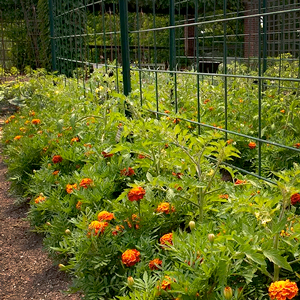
{"points": [[255, 228]]}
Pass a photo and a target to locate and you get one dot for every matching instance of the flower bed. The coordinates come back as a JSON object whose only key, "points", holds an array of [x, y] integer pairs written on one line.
{"points": [[136, 209]]}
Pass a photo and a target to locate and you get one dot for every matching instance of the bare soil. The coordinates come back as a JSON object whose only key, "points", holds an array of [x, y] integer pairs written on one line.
{"points": [[26, 272]]}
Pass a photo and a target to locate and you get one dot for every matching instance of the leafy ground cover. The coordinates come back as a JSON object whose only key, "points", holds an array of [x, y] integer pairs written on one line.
{"points": [[136, 208]]}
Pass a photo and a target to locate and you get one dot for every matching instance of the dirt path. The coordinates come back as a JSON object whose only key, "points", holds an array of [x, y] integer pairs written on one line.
{"points": [[26, 272]]}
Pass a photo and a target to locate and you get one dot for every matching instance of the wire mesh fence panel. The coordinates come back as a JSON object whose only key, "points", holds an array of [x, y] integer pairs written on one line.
{"points": [[230, 66]]}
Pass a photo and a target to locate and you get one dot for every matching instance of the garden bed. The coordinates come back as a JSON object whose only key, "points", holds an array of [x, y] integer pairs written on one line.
{"points": [[136, 208]]}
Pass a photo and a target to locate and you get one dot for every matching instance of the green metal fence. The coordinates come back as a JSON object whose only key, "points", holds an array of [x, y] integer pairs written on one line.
{"points": [[231, 66]]}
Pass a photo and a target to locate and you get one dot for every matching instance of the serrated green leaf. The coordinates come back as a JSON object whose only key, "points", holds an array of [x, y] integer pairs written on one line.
{"points": [[275, 257]]}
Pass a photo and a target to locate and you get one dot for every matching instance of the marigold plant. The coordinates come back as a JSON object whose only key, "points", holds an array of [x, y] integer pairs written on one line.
{"points": [[127, 172], [165, 207], [36, 121], [130, 257], [71, 187], [105, 216], [86, 182], [252, 145], [57, 159], [155, 264], [167, 239], [97, 227], [39, 199], [282, 290], [136, 194], [295, 199]]}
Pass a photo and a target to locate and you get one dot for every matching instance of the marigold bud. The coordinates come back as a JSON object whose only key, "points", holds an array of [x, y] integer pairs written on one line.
{"points": [[211, 237], [61, 266], [130, 281], [228, 292], [67, 231], [49, 224], [192, 225]]}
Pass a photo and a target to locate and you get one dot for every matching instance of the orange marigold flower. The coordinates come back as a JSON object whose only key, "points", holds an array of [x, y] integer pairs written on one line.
{"points": [[229, 141], [211, 108], [224, 196], [57, 159], [71, 187], [97, 227], [176, 121], [106, 155], [295, 199], [155, 264], [55, 172], [282, 290], [23, 129], [297, 145], [75, 139], [166, 111], [32, 113], [129, 172], [282, 111], [136, 194], [141, 156], [39, 199], [86, 182], [166, 283], [87, 145], [177, 187], [117, 229], [36, 121], [167, 239], [178, 175], [17, 137], [165, 207], [130, 257], [239, 181], [78, 205], [105, 216], [252, 145], [206, 101]]}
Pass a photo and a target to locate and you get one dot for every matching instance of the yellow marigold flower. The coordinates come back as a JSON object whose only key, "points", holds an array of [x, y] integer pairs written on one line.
{"points": [[97, 227], [130, 257], [39, 199], [282, 290], [105, 216], [71, 187], [165, 207]]}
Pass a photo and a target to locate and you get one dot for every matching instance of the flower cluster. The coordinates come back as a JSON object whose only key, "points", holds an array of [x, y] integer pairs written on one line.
{"points": [[282, 290], [86, 182], [105, 216], [39, 199], [71, 187], [295, 199], [97, 227], [130, 257], [155, 264], [165, 207], [57, 159], [167, 239], [136, 194], [127, 172]]}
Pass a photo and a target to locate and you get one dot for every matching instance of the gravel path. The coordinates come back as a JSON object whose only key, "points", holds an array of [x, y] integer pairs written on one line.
{"points": [[26, 272]]}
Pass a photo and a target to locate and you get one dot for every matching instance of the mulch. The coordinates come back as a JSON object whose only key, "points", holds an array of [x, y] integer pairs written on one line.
{"points": [[26, 272]]}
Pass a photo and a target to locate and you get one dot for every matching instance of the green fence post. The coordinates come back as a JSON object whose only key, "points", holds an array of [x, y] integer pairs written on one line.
{"points": [[51, 20], [125, 46], [172, 36]]}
